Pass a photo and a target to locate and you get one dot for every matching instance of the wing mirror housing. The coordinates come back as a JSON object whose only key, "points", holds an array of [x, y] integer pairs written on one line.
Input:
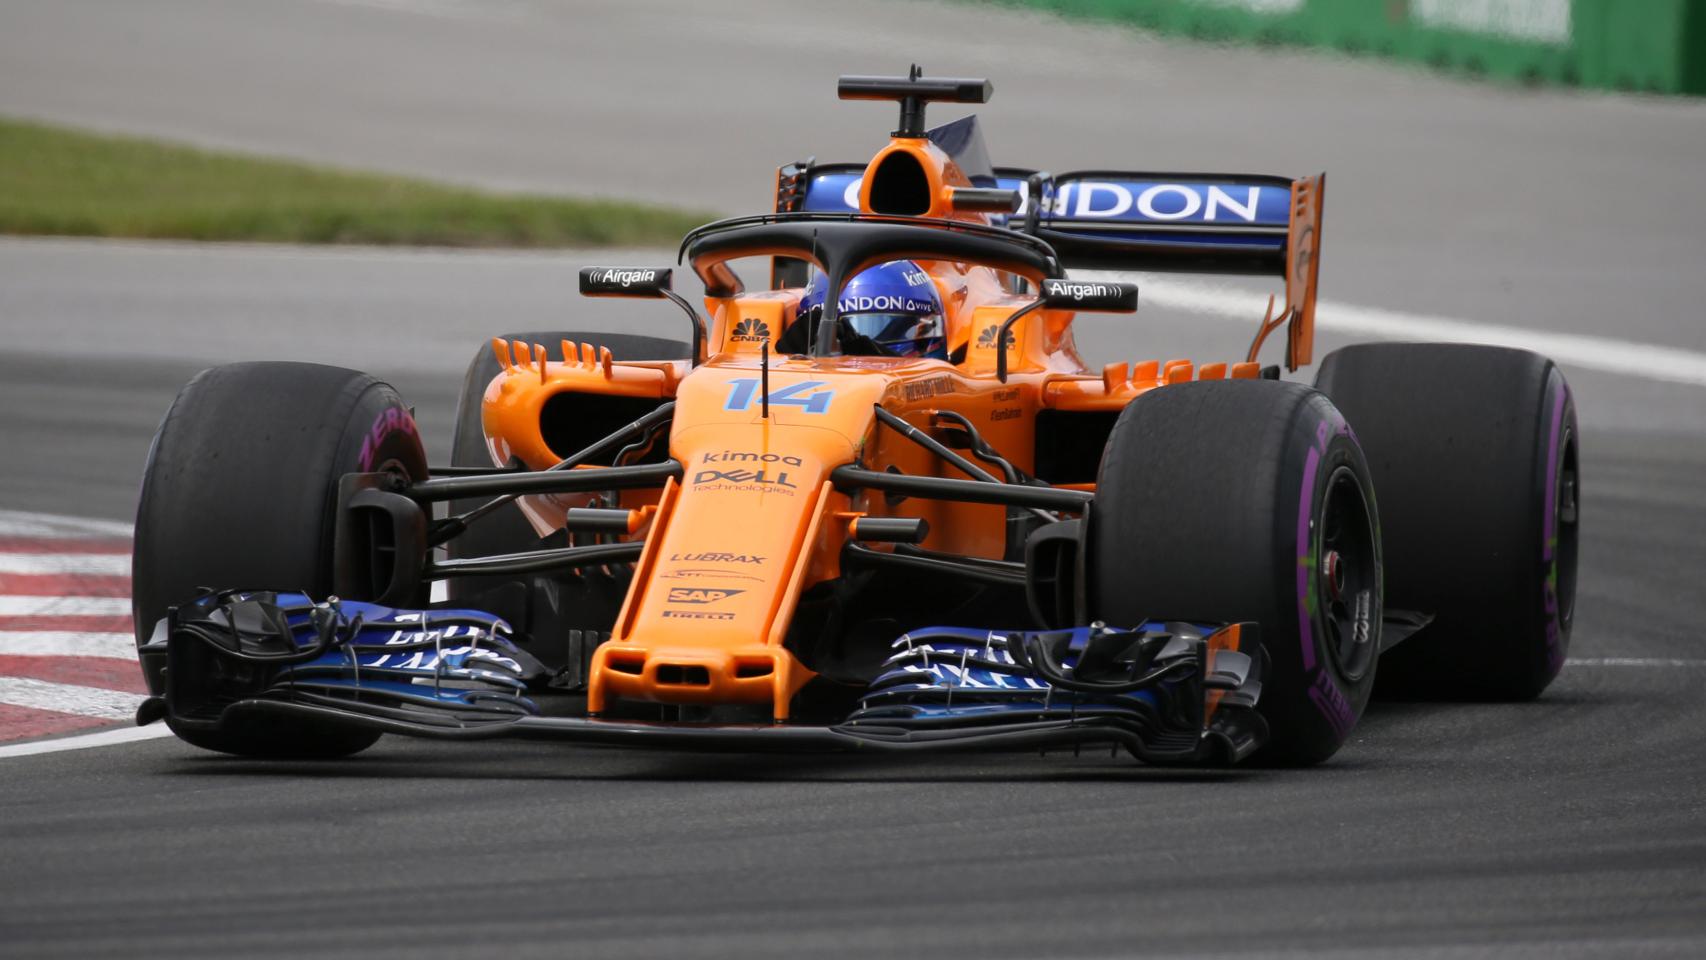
{"points": [[1082, 296], [644, 283], [651, 283], [1089, 296]]}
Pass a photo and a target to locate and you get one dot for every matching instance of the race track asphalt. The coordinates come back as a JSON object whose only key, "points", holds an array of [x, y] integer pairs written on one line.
{"points": [[1571, 826]]}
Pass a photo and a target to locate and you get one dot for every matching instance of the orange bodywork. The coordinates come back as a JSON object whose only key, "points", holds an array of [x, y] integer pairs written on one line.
{"points": [[755, 521]]}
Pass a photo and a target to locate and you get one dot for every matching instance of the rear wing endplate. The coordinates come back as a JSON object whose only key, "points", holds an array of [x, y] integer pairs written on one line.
{"points": [[1191, 223]]}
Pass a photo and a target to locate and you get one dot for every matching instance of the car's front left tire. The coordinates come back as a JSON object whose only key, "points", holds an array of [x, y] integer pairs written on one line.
{"points": [[1248, 500]]}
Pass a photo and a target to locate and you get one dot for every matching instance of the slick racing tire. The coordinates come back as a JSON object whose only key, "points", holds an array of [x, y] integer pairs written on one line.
{"points": [[1474, 452], [1248, 500], [240, 491], [506, 530]]}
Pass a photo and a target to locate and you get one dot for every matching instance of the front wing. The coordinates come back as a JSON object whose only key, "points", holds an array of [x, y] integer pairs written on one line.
{"points": [[1166, 692]]}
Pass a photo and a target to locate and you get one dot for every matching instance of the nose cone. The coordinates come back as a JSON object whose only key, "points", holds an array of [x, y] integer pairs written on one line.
{"points": [[733, 545], [705, 618]]}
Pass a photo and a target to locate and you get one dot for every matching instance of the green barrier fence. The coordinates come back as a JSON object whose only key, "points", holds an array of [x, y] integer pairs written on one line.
{"points": [[1656, 46]]}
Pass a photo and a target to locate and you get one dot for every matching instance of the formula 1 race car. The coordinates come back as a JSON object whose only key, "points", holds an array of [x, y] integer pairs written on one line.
{"points": [[881, 504]]}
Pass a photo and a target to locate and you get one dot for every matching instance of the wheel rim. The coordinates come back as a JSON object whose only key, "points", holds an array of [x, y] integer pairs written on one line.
{"points": [[1347, 576]]}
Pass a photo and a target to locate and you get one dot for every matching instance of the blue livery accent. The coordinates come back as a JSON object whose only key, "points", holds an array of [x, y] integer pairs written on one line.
{"points": [[1104, 200], [1276, 243], [832, 193], [1228, 204], [409, 692]]}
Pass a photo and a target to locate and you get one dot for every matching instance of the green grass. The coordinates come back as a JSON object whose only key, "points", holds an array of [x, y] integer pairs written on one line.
{"points": [[62, 182]]}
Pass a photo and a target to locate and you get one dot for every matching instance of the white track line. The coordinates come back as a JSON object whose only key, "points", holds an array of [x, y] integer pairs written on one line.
{"points": [[102, 738], [1634, 662], [93, 564], [17, 523], [440, 9], [65, 643], [1606, 354], [14, 606], [67, 698]]}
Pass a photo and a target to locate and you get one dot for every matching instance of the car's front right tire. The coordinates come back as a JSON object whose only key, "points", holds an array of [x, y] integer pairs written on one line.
{"points": [[240, 491]]}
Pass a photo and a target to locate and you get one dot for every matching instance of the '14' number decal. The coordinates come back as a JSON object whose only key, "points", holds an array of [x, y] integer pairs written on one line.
{"points": [[807, 395]]}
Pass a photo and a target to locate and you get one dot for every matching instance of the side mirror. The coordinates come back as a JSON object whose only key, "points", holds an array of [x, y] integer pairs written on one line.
{"points": [[1093, 296], [644, 283], [651, 283]]}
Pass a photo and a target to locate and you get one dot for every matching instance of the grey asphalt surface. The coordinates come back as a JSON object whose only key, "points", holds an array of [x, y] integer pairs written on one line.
{"points": [[1573, 826], [1551, 209]]}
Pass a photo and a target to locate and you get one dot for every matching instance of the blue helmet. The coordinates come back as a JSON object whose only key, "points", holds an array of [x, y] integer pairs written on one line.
{"points": [[890, 310]]}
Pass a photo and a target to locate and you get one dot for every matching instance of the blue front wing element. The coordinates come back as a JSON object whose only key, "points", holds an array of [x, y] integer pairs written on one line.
{"points": [[234, 658], [347, 650], [977, 664], [1149, 681]]}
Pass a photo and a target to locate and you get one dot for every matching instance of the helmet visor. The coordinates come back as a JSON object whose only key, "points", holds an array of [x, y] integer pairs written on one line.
{"points": [[902, 334]]}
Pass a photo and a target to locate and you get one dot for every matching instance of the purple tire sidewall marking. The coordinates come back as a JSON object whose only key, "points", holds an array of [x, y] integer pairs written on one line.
{"points": [[390, 421], [1551, 515], [1332, 705], [1548, 531], [1324, 690], [1305, 562]]}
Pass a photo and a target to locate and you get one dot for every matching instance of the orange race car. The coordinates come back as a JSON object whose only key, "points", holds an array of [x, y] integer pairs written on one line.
{"points": [[880, 503]]}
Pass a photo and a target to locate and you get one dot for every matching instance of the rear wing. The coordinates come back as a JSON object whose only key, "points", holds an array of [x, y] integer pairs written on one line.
{"points": [[1190, 223], [1154, 222]]}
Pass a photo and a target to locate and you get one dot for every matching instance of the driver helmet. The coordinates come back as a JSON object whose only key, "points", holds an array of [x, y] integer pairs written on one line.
{"points": [[890, 310]]}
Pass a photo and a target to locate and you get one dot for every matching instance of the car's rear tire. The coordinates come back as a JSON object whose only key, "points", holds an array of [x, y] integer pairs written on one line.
{"points": [[1474, 452], [240, 491], [1241, 500], [506, 530]]}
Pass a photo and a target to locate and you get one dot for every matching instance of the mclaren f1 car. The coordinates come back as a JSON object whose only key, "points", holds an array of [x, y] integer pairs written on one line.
{"points": [[876, 500]]}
